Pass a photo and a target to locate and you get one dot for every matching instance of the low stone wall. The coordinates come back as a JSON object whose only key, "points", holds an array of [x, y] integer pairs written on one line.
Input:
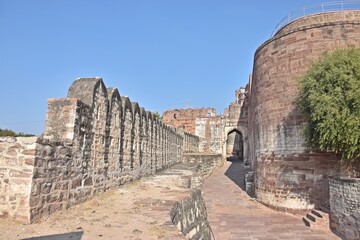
{"points": [[345, 207], [190, 214], [190, 217], [17, 157], [206, 163]]}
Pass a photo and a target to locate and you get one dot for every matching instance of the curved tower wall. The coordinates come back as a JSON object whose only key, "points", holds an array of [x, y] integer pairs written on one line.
{"points": [[287, 174]]}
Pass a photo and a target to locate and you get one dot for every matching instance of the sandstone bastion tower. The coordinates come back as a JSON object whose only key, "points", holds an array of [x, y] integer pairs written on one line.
{"points": [[288, 175]]}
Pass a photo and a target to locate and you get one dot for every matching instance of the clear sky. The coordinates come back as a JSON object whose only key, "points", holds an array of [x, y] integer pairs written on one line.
{"points": [[160, 53]]}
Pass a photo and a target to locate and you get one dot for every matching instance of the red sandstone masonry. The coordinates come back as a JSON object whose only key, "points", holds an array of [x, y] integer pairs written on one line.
{"points": [[292, 181]]}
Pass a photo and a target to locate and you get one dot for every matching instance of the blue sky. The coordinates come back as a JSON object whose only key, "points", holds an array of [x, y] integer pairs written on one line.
{"points": [[160, 53]]}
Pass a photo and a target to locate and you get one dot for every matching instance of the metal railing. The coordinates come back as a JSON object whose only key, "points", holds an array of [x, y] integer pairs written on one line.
{"points": [[316, 8]]}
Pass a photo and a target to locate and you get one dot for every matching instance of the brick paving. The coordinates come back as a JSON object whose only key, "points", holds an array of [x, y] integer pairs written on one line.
{"points": [[234, 215]]}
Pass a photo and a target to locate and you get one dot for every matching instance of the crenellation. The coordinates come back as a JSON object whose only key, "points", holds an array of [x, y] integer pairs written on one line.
{"points": [[135, 141], [114, 139], [127, 138]]}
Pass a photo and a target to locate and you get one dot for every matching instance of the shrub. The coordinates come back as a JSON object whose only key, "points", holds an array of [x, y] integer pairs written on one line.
{"points": [[330, 98]]}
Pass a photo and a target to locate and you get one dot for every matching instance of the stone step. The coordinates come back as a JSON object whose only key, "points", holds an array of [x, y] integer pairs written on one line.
{"points": [[317, 213], [311, 217], [316, 218], [306, 221]]}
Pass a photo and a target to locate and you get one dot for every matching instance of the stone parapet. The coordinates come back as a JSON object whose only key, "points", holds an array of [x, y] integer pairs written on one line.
{"points": [[190, 214]]}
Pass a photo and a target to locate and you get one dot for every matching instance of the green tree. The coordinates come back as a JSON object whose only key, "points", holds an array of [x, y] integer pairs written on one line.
{"points": [[10, 133], [330, 99], [7, 133], [157, 115]]}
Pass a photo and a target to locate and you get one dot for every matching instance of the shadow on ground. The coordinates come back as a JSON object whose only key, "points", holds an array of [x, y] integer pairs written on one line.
{"points": [[65, 236], [236, 171]]}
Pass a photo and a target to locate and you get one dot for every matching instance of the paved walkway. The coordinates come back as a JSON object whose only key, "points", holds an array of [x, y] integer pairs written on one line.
{"points": [[234, 215]]}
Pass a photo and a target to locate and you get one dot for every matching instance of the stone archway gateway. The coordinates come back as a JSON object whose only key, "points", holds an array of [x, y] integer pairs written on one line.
{"points": [[235, 144]]}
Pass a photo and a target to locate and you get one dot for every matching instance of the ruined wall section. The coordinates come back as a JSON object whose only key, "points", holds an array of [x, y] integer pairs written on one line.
{"points": [[210, 131], [289, 176], [201, 122], [186, 118]]}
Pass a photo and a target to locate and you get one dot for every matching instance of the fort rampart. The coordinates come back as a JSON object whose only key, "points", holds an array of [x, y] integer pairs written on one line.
{"points": [[94, 140], [288, 175]]}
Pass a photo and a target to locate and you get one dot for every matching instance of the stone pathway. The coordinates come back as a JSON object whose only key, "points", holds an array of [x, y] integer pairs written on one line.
{"points": [[140, 210], [234, 215]]}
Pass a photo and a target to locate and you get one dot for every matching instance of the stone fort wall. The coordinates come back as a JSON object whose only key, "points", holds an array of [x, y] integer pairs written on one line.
{"points": [[186, 118], [94, 140], [203, 122], [288, 176]]}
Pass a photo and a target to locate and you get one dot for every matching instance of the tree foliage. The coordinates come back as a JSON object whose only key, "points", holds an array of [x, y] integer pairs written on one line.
{"points": [[157, 115], [10, 133], [330, 98]]}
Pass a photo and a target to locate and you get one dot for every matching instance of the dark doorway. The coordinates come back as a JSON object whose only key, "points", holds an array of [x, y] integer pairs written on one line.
{"points": [[235, 144]]}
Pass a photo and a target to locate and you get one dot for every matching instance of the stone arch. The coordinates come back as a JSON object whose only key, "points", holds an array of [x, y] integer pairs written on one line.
{"points": [[115, 132], [234, 143], [242, 138], [127, 122]]}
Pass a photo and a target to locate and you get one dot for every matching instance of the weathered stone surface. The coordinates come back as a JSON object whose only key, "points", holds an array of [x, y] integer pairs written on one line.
{"points": [[185, 118], [16, 171], [94, 140], [345, 207], [288, 175], [190, 216]]}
